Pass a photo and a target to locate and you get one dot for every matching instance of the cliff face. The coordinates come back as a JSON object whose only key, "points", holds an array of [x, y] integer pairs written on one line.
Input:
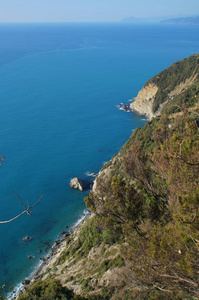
{"points": [[143, 103], [166, 86]]}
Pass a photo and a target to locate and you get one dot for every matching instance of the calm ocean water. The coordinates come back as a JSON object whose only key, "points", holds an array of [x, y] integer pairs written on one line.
{"points": [[60, 84]]}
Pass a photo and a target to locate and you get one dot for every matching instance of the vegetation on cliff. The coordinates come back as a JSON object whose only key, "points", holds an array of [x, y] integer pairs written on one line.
{"points": [[155, 206], [143, 242], [150, 197], [48, 290], [186, 70]]}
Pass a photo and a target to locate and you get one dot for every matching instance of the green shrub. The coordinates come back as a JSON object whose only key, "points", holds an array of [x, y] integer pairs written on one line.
{"points": [[46, 290], [109, 237]]}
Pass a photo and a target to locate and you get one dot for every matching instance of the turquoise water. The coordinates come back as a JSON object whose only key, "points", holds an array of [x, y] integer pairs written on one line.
{"points": [[60, 85]]}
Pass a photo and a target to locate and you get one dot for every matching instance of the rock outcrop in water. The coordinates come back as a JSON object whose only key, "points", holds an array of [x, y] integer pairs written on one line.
{"points": [[77, 183]]}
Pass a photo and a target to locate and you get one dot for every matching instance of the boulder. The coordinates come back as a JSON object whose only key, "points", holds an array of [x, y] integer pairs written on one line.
{"points": [[76, 183], [66, 235], [26, 282], [56, 243]]}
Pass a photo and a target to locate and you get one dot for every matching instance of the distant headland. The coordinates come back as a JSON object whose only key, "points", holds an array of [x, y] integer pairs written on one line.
{"points": [[186, 20], [178, 20]]}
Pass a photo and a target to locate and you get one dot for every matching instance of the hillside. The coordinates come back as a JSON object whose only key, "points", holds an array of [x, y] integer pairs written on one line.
{"points": [[142, 241], [180, 79]]}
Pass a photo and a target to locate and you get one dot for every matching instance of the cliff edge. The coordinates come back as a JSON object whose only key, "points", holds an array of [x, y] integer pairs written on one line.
{"points": [[166, 86]]}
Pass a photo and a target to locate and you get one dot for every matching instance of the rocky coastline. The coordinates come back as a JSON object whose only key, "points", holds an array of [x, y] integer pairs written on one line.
{"points": [[52, 256], [143, 105]]}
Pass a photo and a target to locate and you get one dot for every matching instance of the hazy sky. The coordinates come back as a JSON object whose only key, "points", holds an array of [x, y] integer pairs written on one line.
{"points": [[92, 10]]}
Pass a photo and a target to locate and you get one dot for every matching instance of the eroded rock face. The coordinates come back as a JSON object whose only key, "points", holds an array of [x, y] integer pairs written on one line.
{"points": [[76, 183], [143, 103]]}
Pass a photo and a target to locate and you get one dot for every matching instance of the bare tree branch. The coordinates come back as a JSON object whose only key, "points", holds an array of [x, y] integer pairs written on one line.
{"points": [[21, 202], [8, 221], [161, 289], [175, 276], [36, 202], [27, 210]]}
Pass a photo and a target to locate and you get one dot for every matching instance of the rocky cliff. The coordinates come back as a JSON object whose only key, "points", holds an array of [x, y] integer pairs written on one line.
{"points": [[166, 86], [143, 103]]}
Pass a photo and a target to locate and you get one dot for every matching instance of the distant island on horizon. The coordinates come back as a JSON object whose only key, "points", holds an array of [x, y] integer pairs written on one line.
{"points": [[186, 20], [180, 20]]}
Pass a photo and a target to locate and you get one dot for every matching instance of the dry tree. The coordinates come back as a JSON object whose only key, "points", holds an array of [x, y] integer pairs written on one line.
{"points": [[27, 209]]}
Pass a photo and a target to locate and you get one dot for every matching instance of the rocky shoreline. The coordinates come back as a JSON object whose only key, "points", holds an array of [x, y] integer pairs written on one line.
{"points": [[57, 248], [51, 258], [59, 245]]}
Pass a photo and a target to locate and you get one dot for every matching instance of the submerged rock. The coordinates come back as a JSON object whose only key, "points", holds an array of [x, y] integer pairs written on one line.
{"points": [[27, 239]]}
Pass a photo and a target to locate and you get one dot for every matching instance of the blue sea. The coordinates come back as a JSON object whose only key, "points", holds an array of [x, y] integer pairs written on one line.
{"points": [[59, 87]]}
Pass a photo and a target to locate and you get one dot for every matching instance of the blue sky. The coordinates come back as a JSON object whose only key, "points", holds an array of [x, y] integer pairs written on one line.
{"points": [[93, 10]]}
